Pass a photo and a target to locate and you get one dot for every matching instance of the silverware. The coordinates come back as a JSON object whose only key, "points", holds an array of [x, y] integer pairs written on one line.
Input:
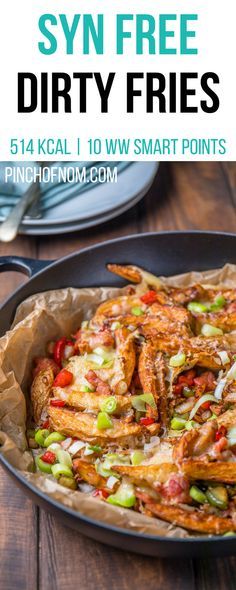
{"points": [[9, 227]]}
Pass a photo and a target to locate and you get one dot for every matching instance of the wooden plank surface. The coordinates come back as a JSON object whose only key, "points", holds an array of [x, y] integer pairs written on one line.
{"points": [[36, 551]]}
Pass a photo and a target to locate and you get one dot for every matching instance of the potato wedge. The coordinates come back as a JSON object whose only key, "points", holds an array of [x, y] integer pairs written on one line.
{"points": [[149, 474], [88, 473], [126, 351], [130, 273], [91, 401], [210, 471], [194, 520], [227, 419], [40, 392], [84, 427]]}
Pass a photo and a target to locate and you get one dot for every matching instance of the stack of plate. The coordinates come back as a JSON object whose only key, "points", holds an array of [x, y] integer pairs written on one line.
{"points": [[97, 204]]}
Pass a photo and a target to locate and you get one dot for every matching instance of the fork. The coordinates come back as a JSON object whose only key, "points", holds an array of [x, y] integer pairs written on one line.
{"points": [[9, 227]]}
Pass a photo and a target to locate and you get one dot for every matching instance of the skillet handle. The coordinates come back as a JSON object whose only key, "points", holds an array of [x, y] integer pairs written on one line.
{"points": [[28, 266]]}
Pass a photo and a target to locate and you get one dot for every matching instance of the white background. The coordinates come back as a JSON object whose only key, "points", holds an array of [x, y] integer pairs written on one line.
{"points": [[19, 37]]}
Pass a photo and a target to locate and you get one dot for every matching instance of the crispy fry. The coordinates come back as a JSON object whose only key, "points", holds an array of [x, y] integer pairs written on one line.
{"points": [[126, 350], [40, 392], [91, 401], [131, 273], [210, 471], [228, 419], [88, 473], [151, 474], [196, 442], [195, 520], [147, 374], [84, 427]]}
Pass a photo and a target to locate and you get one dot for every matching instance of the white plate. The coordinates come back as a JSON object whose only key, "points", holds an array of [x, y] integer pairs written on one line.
{"points": [[100, 200], [79, 226]]}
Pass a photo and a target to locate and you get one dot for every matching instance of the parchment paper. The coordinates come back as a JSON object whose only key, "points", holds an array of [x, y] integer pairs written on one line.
{"points": [[47, 316]]}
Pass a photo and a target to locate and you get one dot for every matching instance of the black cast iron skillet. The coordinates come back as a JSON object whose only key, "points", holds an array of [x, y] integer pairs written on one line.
{"points": [[161, 253]]}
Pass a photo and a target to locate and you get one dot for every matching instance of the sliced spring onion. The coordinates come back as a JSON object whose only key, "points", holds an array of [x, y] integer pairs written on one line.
{"points": [[76, 447], [104, 421], [104, 472], [205, 398], [64, 458], [54, 448], [42, 465], [67, 482], [95, 448], [197, 495], [196, 307], [125, 496], [231, 436], [229, 534], [85, 324], [177, 360], [188, 392], [136, 311], [217, 497], [224, 357], [137, 457], [219, 302], [112, 480], [104, 353], [177, 423], [60, 469], [139, 402], [109, 405], [41, 435], [86, 389], [190, 424], [54, 437], [208, 330], [95, 359]]}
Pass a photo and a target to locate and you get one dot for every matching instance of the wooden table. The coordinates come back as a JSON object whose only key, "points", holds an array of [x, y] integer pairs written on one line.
{"points": [[36, 552]]}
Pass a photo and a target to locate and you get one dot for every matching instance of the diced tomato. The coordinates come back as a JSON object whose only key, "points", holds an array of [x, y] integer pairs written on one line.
{"points": [[102, 493], [206, 406], [45, 424], [220, 433], [178, 388], [63, 378], [146, 421], [206, 380], [149, 297], [49, 457], [57, 403], [58, 350], [187, 378]]}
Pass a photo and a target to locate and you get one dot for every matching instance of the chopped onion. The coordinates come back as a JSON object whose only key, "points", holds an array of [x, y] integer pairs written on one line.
{"points": [[112, 480], [220, 388], [224, 357], [76, 446], [231, 436], [185, 406], [205, 398], [66, 443], [231, 375], [154, 442]]}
